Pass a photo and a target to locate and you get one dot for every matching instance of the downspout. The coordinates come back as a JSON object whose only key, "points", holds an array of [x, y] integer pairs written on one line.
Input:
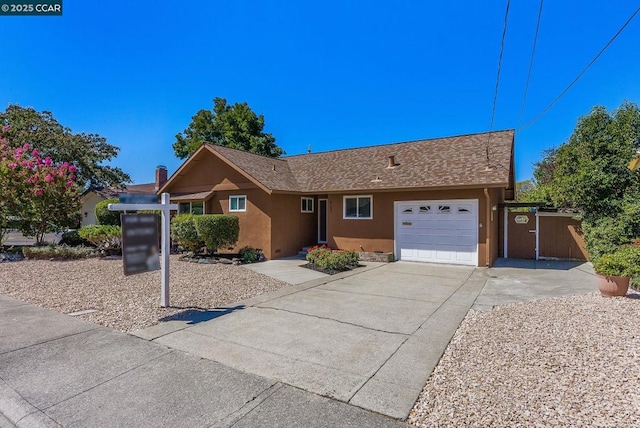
{"points": [[487, 228]]}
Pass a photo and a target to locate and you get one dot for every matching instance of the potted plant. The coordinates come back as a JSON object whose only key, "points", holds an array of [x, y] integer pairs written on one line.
{"points": [[614, 270]]}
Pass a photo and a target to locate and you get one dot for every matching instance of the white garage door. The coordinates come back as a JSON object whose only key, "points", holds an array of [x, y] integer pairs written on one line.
{"points": [[437, 231]]}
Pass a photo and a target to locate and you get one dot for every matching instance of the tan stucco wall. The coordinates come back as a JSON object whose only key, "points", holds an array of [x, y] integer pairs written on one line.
{"points": [[291, 229], [207, 172], [379, 232], [255, 222]]}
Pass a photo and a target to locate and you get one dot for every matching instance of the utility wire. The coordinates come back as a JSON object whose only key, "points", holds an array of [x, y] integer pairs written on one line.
{"points": [[533, 51], [495, 93], [581, 73]]}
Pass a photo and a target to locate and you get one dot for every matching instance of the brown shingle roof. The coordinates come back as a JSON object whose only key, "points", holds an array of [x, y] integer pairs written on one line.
{"points": [[459, 161], [197, 196], [140, 188], [440, 162], [272, 173]]}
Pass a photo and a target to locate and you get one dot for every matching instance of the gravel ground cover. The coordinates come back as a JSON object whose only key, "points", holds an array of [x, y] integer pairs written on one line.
{"points": [[570, 361], [128, 303]]}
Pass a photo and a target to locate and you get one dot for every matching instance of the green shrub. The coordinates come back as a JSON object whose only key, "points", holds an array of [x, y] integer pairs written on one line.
{"points": [[324, 258], [60, 252], [106, 217], [217, 230], [605, 234], [72, 238], [183, 231], [625, 261], [249, 254], [107, 238]]}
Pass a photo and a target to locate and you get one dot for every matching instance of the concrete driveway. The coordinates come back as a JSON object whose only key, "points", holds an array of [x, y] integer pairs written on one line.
{"points": [[370, 337]]}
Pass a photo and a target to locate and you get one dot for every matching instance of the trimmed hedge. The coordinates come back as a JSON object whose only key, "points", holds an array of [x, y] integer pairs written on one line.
{"points": [[106, 217], [183, 231], [72, 238], [107, 238], [217, 230], [324, 258], [249, 254], [61, 252]]}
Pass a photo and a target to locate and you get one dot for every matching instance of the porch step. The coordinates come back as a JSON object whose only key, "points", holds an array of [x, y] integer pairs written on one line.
{"points": [[303, 252]]}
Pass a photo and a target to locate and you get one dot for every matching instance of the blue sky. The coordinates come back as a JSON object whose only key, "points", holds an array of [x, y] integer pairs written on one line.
{"points": [[331, 74]]}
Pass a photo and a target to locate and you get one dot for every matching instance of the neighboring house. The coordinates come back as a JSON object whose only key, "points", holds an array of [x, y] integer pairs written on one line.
{"points": [[90, 197], [430, 200]]}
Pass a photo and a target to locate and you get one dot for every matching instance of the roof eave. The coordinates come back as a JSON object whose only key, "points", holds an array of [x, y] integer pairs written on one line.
{"points": [[408, 189]]}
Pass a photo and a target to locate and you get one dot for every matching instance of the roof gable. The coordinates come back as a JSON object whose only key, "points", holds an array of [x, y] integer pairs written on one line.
{"points": [[273, 174]]}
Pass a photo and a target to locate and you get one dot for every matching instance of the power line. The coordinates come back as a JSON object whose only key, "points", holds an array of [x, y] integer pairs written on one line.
{"points": [[582, 72], [533, 51], [495, 93]]}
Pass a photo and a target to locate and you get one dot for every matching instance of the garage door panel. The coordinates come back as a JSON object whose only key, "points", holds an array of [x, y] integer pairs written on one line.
{"points": [[438, 231]]}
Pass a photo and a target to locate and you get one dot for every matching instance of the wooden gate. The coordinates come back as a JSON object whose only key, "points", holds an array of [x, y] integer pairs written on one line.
{"points": [[521, 240], [559, 236]]}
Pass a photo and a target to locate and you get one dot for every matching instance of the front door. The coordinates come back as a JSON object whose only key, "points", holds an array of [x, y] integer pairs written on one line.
{"points": [[322, 221]]}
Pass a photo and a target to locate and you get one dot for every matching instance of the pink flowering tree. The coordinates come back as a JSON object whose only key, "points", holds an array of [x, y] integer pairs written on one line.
{"points": [[36, 195]]}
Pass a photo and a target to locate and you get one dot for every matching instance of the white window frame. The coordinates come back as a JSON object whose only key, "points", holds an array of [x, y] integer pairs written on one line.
{"points": [[309, 203], [357, 198], [238, 197]]}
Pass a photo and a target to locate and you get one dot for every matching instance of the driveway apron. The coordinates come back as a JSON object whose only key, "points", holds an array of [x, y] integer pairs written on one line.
{"points": [[370, 338]]}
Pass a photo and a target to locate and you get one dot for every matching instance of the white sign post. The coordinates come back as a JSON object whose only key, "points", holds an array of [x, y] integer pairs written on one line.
{"points": [[165, 207]]}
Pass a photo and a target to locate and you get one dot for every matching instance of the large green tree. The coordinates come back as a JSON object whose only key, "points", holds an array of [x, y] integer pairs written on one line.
{"points": [[235, 126], [592, 169], [590, 173], [87, 152]]}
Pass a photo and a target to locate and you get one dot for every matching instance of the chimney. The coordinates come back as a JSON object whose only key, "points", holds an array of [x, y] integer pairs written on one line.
{"points": [[392, 162], [161, 176]]}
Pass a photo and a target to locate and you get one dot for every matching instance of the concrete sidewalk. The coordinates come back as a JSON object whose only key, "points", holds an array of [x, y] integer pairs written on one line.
{"points": [[288, 270], [56, 370]]}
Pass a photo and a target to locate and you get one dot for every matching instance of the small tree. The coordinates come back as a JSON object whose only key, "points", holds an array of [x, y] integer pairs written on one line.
{"points": [[36, 194], [217, 230], [88, 152]]}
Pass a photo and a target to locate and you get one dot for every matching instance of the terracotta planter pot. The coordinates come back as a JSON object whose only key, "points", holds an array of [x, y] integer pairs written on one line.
{"points": [[611, 286]]}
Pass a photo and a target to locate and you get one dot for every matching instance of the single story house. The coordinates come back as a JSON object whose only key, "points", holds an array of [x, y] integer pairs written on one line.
{"points": [[91, 196], [431, 200]]}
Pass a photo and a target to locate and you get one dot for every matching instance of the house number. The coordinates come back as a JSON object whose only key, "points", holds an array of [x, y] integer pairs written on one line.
{"points": [[522, 219]]}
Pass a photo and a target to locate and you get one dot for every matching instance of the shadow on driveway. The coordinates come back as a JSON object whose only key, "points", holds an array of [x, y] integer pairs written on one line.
{"points": [[538, 264], [194, 316]]}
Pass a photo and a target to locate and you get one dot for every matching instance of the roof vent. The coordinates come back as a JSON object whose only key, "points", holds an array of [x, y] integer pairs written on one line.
{"points": [[377, 179], [392, 162], [274, 167]]}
